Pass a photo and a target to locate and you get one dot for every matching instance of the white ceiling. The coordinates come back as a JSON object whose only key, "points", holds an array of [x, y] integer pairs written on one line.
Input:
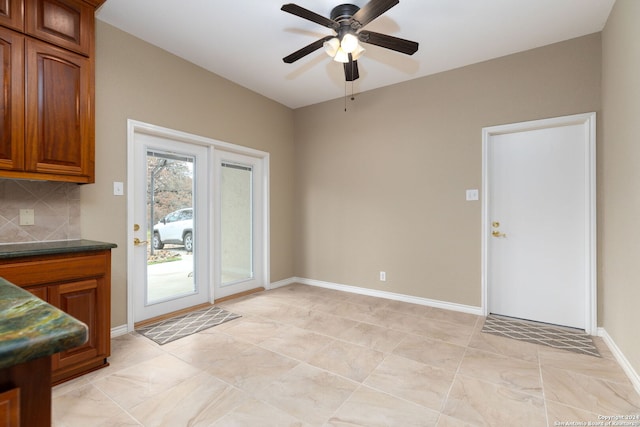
{"points": [[245, 40]]}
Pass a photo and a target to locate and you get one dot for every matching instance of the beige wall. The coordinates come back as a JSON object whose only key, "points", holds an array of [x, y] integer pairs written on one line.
{"points": [[620, 195], [382, 186], [135, 80]]}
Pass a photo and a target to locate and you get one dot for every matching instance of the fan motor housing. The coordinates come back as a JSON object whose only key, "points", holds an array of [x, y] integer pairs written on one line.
{"points": [[343, 12]]}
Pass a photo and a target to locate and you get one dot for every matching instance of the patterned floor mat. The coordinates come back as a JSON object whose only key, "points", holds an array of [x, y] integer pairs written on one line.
{"points": [[541, 333], [186, 324]]}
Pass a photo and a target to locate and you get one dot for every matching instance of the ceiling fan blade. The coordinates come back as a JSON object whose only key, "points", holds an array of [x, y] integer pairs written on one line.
{"points": [[306, 50], [371, 11], [351, 70], [294, 9], [388, 42]]}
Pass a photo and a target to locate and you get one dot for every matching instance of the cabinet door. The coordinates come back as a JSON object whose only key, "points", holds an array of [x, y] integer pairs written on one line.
{"points": [[65, 23], [11, 14], [10, 408], [40, 292], [59, 114], [81, 299], [11, 100]]}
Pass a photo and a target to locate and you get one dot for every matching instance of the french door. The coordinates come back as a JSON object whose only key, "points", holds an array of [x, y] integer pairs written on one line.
{"points": [[198, 220]]}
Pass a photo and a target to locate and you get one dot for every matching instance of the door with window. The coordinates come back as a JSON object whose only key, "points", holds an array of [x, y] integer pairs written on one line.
{"points": [[198, 220], [239, 224], [171, 226]]}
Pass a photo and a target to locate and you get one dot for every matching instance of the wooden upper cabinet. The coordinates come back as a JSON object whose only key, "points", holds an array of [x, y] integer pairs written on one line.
{"points": [[47, 114], [59, 121], [65, 23], [12, 14], [11, 100], [95, 3]]}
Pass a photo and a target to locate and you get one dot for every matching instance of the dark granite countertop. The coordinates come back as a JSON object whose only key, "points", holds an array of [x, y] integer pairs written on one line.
{"points": [[30, 328], [15, 250]]}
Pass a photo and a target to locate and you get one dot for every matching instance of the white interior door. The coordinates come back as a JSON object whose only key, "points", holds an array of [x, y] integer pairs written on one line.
{"points": [[171, 226], [539, 221]]}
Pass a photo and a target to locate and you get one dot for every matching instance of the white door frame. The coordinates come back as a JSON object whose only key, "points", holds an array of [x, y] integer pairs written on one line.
{"points": [[133, 127], [588, 120]]}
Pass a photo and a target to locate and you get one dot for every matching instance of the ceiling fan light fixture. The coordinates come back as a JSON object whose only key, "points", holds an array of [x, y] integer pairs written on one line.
{"points": [[331, 46], [349, 43], [346, 21], [358, 52], [341, 56]]}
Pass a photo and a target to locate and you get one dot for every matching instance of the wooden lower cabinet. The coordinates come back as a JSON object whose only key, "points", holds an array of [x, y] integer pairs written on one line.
{"points": [[79, 284], [10, 408], [25, 394], [81, 299]]}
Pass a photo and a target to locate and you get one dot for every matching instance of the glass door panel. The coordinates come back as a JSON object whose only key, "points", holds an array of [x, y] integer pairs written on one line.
{"points": [[239, 224], [170, 215], [236, 222]]}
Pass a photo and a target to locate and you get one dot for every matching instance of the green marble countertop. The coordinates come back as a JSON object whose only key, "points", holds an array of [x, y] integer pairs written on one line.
{"points": [[30, 328], [15, 250]]}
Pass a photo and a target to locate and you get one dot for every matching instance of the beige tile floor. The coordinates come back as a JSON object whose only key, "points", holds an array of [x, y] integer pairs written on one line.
{"points": [[306, 356]]}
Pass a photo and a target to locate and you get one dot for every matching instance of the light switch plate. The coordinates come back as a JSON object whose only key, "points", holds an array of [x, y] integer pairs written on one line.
{"points": [[472, 194], [118, 188]]}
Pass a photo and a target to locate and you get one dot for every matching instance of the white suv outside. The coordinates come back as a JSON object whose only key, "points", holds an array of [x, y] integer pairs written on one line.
{"points": [[175, 228]]}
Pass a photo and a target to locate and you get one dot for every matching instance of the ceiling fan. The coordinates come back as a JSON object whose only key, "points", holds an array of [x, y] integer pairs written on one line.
{"points": [[347, 21]]}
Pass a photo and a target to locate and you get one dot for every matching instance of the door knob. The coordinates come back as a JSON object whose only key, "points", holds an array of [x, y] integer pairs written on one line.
{"points": [[136, 227], [496, 233], [495, 224]]}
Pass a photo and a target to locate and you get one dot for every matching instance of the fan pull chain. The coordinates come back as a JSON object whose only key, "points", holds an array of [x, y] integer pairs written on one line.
{"points": [[345, 96], [345, 89]]}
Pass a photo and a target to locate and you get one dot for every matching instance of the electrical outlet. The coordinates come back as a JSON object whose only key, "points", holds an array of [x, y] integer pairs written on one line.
{"points": [[383, 276], [27, 217]]}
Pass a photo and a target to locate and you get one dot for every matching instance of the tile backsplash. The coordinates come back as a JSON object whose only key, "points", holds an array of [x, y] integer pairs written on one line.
{"points": [[56, 207]]}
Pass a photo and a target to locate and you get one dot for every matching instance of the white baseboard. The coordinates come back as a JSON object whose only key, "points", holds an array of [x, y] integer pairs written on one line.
{"points": [[119, 331], [390, 295], [622, 360], [281, 283]]}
